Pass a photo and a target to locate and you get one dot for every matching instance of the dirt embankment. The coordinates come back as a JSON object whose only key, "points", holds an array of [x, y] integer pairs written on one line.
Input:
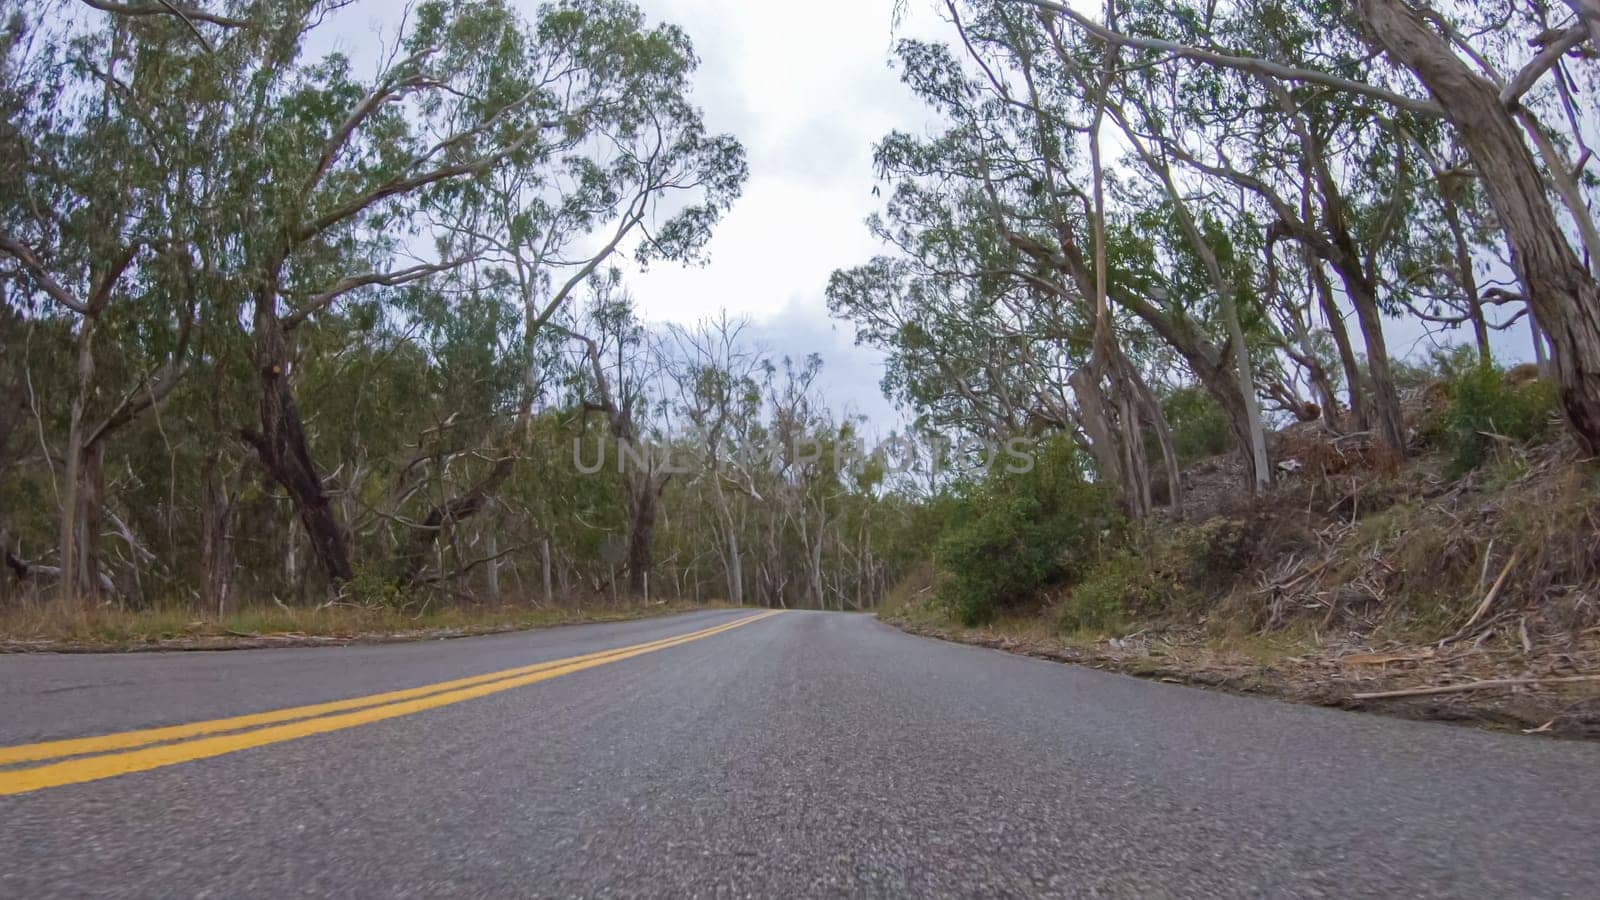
{"points": [[1554, 694], [1361, 581]]}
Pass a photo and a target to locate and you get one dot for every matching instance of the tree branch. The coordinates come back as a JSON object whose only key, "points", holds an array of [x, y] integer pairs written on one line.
{"points": [[189, 14], [1547, 58], [350, 283], [22, 254], [1239, 63]]}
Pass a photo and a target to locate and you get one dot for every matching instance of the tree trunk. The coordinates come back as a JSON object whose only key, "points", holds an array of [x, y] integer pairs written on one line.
{"points": [[75, 554], [818, 590], [544, 550], [1355, 385], [1256, 449], [216, 541], [1321, 384], [216, 509], [735, 570], [1564, 298], [444, 515], [1136, 466], [1468, 278], [1541, 356], [90, 513], [643, 492], [1389, 421], [1096, 423], [1169, 452], [1206, 361], [282, 449]]}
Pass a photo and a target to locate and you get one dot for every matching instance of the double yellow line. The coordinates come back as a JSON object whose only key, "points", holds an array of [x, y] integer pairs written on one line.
{"points": [[89, 759]]}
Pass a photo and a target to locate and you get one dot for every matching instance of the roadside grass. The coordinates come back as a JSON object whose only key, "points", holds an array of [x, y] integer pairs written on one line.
{"points": [[47, 627]]}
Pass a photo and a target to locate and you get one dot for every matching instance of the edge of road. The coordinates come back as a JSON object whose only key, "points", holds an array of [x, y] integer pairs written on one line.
{"points": [[1553, 715], [231, 640]]}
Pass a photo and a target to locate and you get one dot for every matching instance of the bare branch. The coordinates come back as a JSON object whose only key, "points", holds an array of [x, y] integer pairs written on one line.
{"points": [[189, 14], [354, 282], [30, 261], [1547, 58]]}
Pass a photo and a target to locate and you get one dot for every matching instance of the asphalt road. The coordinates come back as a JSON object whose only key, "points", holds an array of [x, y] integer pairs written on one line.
{"points": [[805, 754]]}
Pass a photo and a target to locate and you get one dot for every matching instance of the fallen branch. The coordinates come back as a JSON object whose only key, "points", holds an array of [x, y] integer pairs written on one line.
{"points": [[1474, 686], [1488, 601]]}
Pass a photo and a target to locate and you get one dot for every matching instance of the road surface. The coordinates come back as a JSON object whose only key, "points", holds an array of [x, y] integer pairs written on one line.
{"points": [[801, 754]]}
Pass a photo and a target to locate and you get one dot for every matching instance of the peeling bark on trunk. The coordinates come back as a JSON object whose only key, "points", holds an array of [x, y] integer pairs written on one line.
{"points": [[1096, 424], [1563, 296]]}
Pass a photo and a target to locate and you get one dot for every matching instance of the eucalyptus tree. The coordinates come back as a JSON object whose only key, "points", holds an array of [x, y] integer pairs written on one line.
{"points": [[1509, 112], [471, 93], [1319, 170], [187, 190], [104, 206], [717, 383], [1036, 239], [803, 453], [634, 163], [622, 376]]}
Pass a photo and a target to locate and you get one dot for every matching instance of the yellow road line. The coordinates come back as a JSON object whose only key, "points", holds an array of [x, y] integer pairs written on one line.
{"points": [[128, 739], [374, 708]]}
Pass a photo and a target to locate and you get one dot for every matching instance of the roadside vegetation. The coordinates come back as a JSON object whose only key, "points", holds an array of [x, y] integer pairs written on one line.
{"points": [[1177, 240], [342, 347], [340, 344], [1474, 561]]}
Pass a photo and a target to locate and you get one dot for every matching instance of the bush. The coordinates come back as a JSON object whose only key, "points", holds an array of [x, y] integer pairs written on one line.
{"points": [[1017, 532], [1102, 601], [374, 588], [1483, 404], [1179, 569], [1207, 556], [1199, 426]]}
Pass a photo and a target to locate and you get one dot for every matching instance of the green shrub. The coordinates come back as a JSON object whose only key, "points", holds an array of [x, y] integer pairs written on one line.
{"points": [[374, 587], [1179, 569], [1016, 532], [1199, 426], [1206, 556], [1103, 599], [1482, 404]]}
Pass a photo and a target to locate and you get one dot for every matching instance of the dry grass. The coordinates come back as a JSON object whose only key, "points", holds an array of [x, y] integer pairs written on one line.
{"points": [[50, 628], [1419, 569], [1355, 574]]}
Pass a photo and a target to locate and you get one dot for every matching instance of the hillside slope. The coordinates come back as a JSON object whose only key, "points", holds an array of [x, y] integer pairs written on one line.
{"points": [[1465, 577]]}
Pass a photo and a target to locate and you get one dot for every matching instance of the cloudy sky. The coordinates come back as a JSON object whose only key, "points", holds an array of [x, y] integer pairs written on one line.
{"points": [[807, 88]]}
